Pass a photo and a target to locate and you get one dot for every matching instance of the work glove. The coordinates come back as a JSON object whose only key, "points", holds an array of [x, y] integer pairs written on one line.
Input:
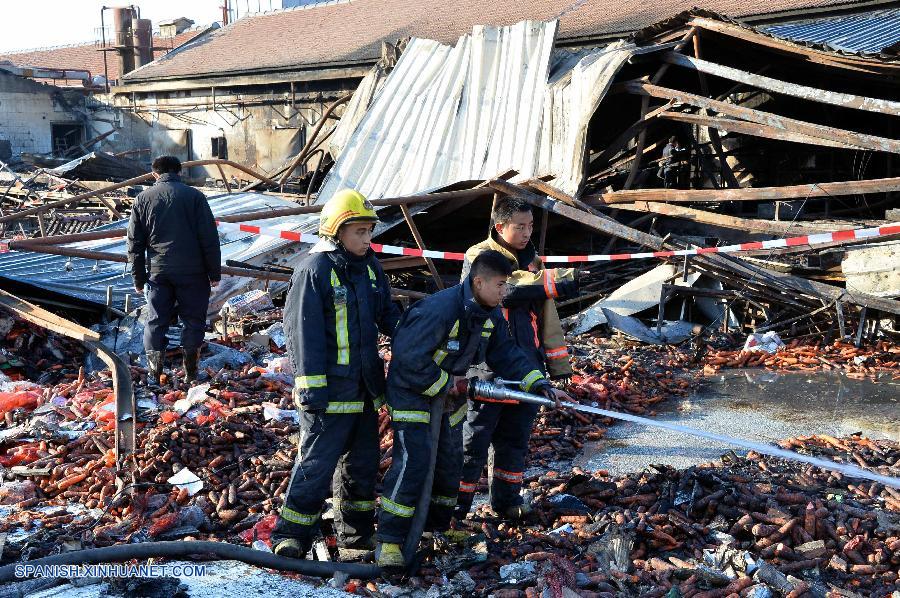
{"points": [[555, 395], [459, 388]]}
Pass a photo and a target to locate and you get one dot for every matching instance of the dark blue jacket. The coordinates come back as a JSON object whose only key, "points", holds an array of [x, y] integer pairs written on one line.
{"points": [[443, 335], [172, 230], [335, 308]]}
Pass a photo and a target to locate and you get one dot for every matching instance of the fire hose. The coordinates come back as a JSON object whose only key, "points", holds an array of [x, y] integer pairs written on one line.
{"points": [[499, 391]]}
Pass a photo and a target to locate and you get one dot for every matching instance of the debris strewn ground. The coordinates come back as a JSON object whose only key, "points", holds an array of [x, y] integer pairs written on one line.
{"points": [[718, 529]]}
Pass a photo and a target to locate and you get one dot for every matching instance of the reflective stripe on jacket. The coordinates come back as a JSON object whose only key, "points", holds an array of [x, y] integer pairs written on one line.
{"points": [[443, 335], [334, 311], [529, 307]]}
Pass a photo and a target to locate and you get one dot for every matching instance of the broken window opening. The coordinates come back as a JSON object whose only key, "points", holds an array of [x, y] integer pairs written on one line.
{"points": [[219, 148], [64, 136]]}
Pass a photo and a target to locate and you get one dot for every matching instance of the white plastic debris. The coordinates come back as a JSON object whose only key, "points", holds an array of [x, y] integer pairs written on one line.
{"points": [[564, 529], [253, 301], [186, 478], [280, 364], [276, 333], [195, 396], [769, 342], [271, 411], [260, 545], [517, 572]]}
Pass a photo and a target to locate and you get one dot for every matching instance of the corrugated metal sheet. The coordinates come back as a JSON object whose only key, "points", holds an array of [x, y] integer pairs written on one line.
{"points": [[447, 114], [577, 85], [472, 111], [867, 33], [87, 280]]}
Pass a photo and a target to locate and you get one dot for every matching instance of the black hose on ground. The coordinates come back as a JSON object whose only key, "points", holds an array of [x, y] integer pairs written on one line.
{"points": [[417, 526], [178, 549]]}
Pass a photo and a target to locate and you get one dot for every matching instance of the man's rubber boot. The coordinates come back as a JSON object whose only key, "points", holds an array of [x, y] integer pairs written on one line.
{"points": [[389, 555], [191, 365], [516, 512], [154, 366], [291, 548]]}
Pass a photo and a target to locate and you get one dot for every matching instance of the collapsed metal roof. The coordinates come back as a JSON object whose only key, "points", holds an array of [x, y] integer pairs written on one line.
{"points": [[867, 33], [500, 99], [87, 280]]}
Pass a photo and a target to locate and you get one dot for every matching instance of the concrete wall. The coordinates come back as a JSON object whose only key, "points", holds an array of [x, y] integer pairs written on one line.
{"points": [[262, 131], [29, 109]]}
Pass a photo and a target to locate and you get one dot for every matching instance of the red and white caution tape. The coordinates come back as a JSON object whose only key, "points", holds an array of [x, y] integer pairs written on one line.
{"points": [[818, 239]]}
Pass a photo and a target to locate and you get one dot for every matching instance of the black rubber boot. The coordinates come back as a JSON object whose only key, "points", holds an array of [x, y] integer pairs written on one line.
{"points": [[292, 548], [191, 365], [155, 360]]}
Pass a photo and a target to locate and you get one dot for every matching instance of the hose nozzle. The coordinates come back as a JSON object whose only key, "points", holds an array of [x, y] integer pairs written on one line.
{"points": [[501, 392]]}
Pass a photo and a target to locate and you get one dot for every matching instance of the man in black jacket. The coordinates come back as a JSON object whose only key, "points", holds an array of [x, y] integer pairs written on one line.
{"points": [[173, 247]]}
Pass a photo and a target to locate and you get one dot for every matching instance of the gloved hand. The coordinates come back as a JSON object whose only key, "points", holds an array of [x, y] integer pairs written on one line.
{"points": [[556, 395], [459, 388]]}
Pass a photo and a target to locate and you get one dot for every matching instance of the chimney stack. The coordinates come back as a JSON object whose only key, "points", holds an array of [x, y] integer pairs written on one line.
{"points": [[123, 38]]}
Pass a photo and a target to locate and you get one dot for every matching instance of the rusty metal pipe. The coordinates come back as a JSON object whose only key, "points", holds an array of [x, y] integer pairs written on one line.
{"points": [[27, 244], [296, 161], [312, 179], [122, 259]]}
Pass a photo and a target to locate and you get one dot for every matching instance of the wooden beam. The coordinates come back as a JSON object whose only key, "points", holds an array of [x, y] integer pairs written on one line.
{"points": [[745, 224], [730, 179], [804, 286], [45, 319], [405, 262], [421, 245], [861, 140], [747, 128], [645, 105], [803, 92], [628, 134], [856, 63], [750, 193], [551, 191], [585, 218]]}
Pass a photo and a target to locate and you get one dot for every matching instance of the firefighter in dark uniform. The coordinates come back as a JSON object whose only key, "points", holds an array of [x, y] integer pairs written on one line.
{"points": [[173, 247], [338, 302], [530, 310], [436, 342]]}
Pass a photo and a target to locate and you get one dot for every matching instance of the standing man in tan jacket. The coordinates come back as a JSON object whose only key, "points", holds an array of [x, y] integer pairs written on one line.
{"points": [[530, 311]]}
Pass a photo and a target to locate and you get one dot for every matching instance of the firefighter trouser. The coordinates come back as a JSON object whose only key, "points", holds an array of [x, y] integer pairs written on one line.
{"points": [[182, 294], [506, 429], [338, 451], [409, 466]]}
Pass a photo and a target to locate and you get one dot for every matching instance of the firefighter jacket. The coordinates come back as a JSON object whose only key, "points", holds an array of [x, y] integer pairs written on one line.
{"points": [[335, 308], [442, 336], [529, 306]]}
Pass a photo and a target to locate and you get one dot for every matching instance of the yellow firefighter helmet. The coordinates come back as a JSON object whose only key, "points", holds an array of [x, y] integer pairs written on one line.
{"points": [[345, 206]]}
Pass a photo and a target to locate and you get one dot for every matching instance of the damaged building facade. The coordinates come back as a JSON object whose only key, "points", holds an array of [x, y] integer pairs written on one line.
{"points": [[54, 102], [242, 92], [38, 118]]}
